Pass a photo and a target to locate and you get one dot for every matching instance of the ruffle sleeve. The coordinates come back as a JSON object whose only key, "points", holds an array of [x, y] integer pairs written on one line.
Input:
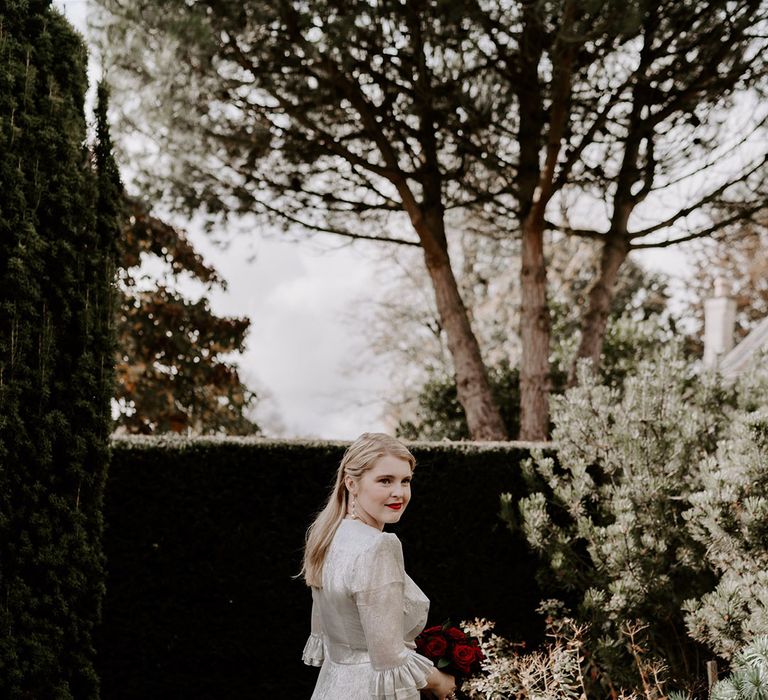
{"points": [[402, 682], [314, 653], [378, 587]]}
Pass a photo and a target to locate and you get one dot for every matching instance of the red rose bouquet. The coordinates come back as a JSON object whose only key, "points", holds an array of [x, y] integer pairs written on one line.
{"points": [[451, 650]]}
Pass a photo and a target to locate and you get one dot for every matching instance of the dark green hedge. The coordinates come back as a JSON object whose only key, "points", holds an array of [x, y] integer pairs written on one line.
{"points": [[57, 259], [203, 537]]}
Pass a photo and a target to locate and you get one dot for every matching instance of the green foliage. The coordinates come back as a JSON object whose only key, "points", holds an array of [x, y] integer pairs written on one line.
{"points": [[57, 262], [441, 416], [173, 367], [749, 674], [609, 519], [655, 510]]}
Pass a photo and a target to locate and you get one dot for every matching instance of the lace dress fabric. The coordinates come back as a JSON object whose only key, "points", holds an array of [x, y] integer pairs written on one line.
{"points": [[365, 619]]}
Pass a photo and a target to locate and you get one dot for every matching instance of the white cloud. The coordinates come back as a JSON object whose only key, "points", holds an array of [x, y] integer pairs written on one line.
{"points": [[299, 345]]}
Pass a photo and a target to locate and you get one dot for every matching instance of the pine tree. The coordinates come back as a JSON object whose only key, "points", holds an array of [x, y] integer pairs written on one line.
{"points": [[57, 260], [749, 677], [365, 118]]}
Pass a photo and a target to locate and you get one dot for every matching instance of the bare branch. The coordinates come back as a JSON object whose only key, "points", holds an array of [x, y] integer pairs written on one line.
{"points": [[581, 232], [700, 203], [334, 231], [742, 216]]}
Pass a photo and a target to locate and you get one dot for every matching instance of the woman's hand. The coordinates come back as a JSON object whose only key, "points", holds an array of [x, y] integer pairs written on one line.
{"points": [[440, 684]]}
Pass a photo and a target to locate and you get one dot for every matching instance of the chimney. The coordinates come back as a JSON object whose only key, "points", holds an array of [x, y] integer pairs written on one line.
{"points": [[719, 323]]}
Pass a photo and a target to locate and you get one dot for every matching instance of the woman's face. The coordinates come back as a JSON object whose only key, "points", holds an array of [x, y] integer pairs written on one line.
{"points": [[385, 485]]}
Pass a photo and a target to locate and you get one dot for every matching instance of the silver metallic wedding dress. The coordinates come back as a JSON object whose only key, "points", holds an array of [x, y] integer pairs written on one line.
{"points": [[364, 620]]}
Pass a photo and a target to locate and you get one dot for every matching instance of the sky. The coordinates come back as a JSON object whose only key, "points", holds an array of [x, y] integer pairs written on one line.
{"points": [[303, 353]]}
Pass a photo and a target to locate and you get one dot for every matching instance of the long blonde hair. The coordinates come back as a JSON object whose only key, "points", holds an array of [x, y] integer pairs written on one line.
{"points": [[359, 457]]}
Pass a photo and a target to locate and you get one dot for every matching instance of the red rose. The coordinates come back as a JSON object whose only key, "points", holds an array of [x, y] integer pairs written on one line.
{"points": [[464, 656], [432, 630], [455, 633], [435, 647]]}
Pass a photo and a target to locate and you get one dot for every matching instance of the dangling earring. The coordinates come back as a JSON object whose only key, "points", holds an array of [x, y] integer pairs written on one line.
{"points": [[354, 514]]}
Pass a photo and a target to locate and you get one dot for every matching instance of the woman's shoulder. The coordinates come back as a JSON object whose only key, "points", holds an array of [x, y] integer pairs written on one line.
{"points": [[385, 542], [378, 561], [362, 541], [365, 536]]}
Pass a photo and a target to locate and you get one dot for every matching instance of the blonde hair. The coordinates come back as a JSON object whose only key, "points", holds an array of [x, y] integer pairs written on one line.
{"points": [[359, 457]]}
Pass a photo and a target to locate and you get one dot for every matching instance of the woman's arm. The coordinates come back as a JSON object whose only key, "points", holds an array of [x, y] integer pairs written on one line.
{"points": [[314, 654], [381, 616], [399, 671]]}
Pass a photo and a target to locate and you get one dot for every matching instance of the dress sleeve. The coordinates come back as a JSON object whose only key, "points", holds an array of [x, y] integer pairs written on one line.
{"points": [[314, 654], [378, 584]]}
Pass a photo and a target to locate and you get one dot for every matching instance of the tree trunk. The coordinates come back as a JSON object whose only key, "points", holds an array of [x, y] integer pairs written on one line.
{"points": [[474, 391], [534, 335], [594, 322]]}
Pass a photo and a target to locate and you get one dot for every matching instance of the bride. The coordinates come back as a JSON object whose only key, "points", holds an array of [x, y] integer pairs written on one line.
{"points": [[366, 611]]}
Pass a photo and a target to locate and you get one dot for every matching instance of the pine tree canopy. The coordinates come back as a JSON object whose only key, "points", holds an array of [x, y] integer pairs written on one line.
{"points": [[338, 114], [629, 123]]}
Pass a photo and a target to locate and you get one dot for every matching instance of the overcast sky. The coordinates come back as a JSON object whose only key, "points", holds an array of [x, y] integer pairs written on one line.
{"points": [[302, 348]]}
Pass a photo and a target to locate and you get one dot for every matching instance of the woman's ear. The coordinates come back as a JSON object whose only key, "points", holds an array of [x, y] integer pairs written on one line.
{"points": [[349, 483]]}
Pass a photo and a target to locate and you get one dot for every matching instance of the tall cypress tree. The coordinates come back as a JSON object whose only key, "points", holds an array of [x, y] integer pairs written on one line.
{"points": [[57, 239]]}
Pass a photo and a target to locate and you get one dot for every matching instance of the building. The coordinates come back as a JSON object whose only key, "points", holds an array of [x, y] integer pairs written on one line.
{"points": [[719, 323]]}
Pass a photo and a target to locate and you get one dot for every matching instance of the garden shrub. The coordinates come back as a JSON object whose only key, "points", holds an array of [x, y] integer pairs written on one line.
{"points": [[655, 511], [608, 517], [729, 518]]}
